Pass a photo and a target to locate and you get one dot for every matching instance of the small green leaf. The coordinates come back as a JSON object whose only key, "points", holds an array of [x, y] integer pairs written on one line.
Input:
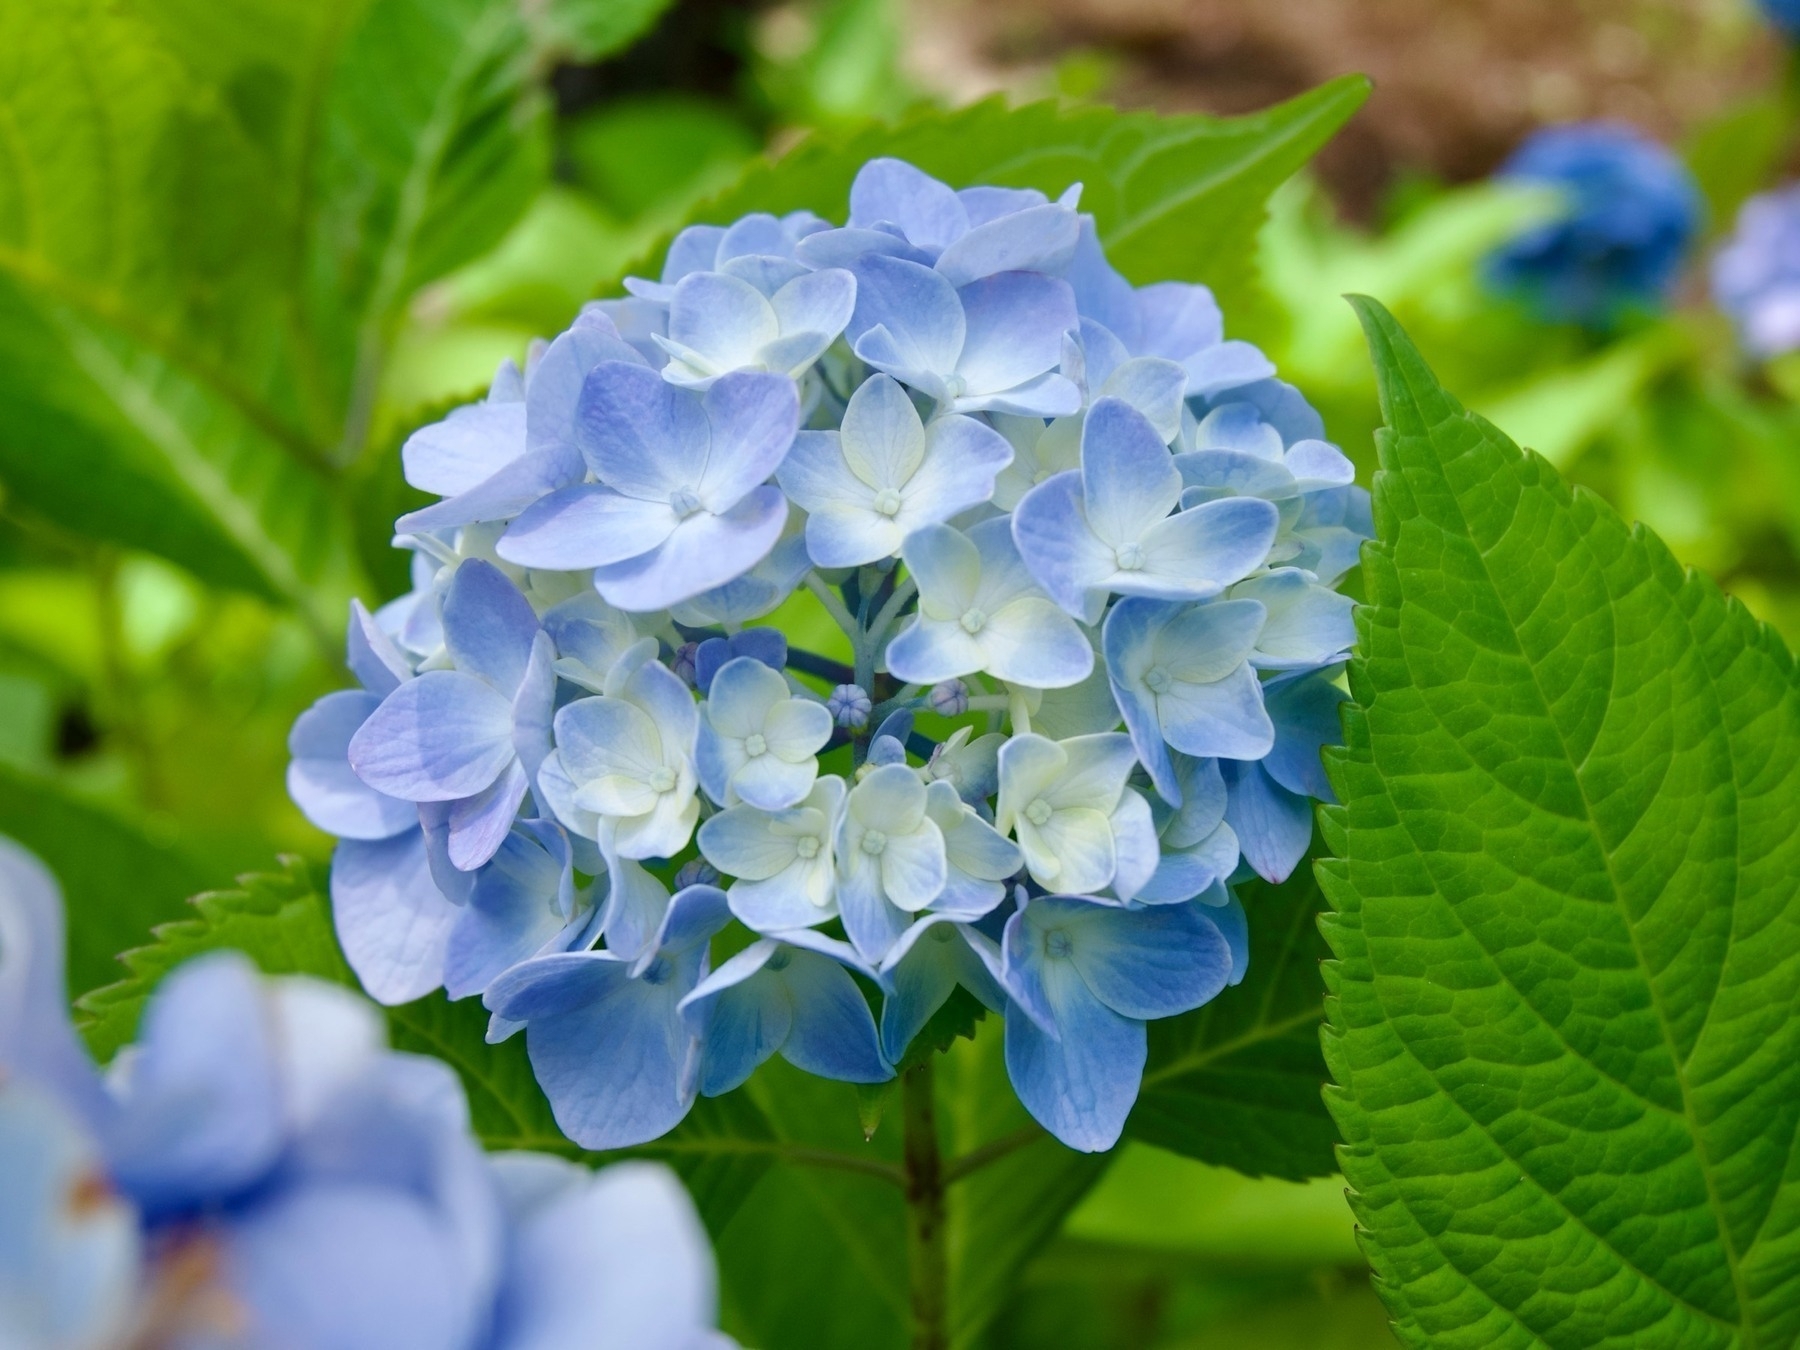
{"points": [[117, 882], [1237, 1083], [1565, 1013], [1175, 198]]}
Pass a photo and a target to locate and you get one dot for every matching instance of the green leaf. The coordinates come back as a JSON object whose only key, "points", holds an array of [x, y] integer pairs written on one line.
{"points": [[1175, 198], [1566, 1005], [210, 220], [117, 882], [587, 30], [1237, 1083]]}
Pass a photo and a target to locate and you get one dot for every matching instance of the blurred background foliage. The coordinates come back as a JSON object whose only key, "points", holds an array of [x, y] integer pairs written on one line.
{"points": [[243, 250]]}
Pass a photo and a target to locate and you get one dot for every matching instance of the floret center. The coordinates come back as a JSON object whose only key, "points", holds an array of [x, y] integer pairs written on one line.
{"points": [[754, 744], [973, 621], [1038, 813], [1157, 680], [887, 502], [684, 502], [1057, 943], [807, 847], [874, 843], [663, 780], [1130, 557]]}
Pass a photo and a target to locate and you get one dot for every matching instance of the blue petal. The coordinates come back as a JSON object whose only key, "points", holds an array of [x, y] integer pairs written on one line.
{"points": [[1273, 825], [641, 435], [508, 492], [704, 551], [488, 626], [585, 526], [201, 1108], [470, 444], [512, 914], [1128, 478], [371, 654], [1127, 639], [636, 903], [478, 824], [893, 191], [554, 390], [744, 1014], [391, 919], [612, 1053], [1050, 527], [833, 1032], [320, 779], [1082, 1086], [918, 310], [1014, 327], [1037, 239], [1306, 715], [1141, 963], [753, 419]]}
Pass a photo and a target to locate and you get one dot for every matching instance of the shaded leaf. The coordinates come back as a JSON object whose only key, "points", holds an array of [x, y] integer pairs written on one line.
{"points": [[1238, 1082]]}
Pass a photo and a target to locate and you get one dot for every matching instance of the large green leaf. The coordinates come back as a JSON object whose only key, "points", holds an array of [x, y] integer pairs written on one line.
{"points": [[1237, 1083], [210, 218], [118, 883], [1175, 198], [1566, 1006]]}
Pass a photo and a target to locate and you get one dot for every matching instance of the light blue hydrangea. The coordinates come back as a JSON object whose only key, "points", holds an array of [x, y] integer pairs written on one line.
{"points": [[1084, 977], [1112, 526], [679, 504], [758, 743], [1756, 275], [1084, 553], [886, 473], [980, 612], [794, 996], [259, 1152]]}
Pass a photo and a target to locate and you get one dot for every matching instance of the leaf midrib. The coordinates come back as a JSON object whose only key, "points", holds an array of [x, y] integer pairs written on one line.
{"points": [[1739, 1294]]}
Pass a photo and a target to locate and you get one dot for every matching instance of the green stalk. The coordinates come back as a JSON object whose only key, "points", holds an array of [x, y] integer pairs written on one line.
{"points": [[927, 1262]]}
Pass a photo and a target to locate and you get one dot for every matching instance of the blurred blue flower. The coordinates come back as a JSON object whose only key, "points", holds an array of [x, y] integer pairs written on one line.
{"points": [[1784, 14], [1632, 210], [260, 1167], [1756, 275]]}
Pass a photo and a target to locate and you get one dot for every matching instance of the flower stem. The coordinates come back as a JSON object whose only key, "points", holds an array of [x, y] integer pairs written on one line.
{"points": [[927, 1260]]}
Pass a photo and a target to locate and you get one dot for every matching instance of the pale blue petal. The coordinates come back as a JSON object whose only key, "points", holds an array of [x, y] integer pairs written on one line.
{"points": [[833, 1033], [585, 526], [511, 490], [842, 248], [1147, 963], [1200, 552], [816, 302], [947, 566], [1032, 642], [201, 1111], [1305, 711], [928, 651], [1273, 825], [1129, 480], [371, 654], [452, 456], [1038, 238], [1128, 639], [1154, 387], [694, 249], [770, 782], [440, 737], [619, 1261], [488, 626], [1082, 1086], [321, 781], [640, 435], [1048, 395], [1308, 625], [554, 390], [478, 824], [724, 321], [392, 921], [634, 909], [893, 191], [743, 1013], [347, 1266], [512, 913], [1319, 464], [871, 921], [990, 203], [1064, 556], [1101, 294], [694, 916], [1234, 926], [1179, 319], [962, 457], [753, 419], [917, 309], [1015, 324], [702, 552], [815, 475], [1216, 370], [1134, 844], [612, 1053]]}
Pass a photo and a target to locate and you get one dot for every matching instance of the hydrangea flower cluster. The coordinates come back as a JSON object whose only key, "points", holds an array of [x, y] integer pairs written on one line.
{"points": [[1784, 15], [260, 1171], [1756, 276], [1070, 531], [1632, 211]]}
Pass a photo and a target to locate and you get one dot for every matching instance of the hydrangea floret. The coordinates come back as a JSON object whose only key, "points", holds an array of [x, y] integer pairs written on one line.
{"points": [[1083, 551], [259, 1169]]}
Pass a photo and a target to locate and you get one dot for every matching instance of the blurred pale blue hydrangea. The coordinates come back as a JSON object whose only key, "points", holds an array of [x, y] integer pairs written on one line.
{"points": [[1756, 275], [259, 1170], [1631, 212], [1083, 549]]}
